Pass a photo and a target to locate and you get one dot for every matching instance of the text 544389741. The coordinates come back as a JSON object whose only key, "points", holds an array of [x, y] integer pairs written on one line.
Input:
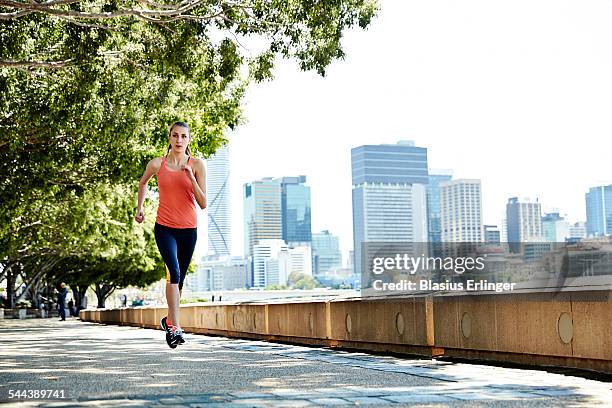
{"points": [[37, 394]]}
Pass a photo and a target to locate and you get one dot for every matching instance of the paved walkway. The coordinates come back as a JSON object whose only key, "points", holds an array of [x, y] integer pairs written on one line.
{"points": [[98, 365]]}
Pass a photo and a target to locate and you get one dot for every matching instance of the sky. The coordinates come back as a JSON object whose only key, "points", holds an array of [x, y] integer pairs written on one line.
{"points": [[517, 94]]}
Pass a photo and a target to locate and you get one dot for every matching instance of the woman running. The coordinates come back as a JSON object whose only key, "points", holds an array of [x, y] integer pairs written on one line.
{"points": [[181, 180]]}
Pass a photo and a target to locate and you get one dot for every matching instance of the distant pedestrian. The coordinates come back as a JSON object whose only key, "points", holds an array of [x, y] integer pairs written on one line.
{"points": [[61, 301], [181, 181], [124, 300], [72, 309]]}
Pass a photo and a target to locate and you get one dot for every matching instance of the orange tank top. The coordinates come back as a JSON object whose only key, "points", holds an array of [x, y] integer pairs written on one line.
{"points": [[176, 198]]}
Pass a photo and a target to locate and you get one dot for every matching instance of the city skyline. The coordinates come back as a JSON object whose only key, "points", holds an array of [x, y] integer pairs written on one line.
{"points": [[540, 132], [433, 172]]}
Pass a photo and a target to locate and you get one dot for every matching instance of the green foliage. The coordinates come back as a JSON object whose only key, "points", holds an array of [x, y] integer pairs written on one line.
{"points": [[24, 304], [85, 103], [276, 287], [299, 280], [193, 300]]}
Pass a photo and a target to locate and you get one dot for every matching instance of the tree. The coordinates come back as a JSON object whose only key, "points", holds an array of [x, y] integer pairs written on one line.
{"points": [[87, 90], [299, 280]]}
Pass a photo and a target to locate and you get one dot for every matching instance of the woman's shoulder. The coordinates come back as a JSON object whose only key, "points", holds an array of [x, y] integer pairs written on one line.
{"points": [[197, 161], [155, 163]]}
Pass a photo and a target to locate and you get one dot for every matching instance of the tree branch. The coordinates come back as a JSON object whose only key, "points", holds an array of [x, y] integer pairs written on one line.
{"points": [[35, 64]]}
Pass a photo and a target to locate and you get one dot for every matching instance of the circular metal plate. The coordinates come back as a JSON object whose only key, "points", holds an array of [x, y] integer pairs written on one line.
{"points": [[466, 325], [565, 328], [399, 323], [349, 324]]}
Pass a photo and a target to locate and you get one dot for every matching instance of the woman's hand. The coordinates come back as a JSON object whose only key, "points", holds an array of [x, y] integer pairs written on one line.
{"points": [[139, 216], [189, 170]]}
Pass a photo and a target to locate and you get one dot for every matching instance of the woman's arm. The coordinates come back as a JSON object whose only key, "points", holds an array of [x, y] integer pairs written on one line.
{"points": [[152, 169], [198, 180]]}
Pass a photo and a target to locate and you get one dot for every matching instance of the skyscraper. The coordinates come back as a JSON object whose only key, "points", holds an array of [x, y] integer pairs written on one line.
{"points": [[599, 210], [295, 208], [433, 203], [262, 212], [492, 235], [389, 194], [524, 222], [219, 273], [554, 227], [218, 197], [461, 211], [265, 272], [325, 252], [577, 231]]}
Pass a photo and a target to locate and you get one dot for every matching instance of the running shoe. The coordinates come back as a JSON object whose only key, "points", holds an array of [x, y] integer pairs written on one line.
{"points": [[169, 333], [178, 336], [163, 324]]}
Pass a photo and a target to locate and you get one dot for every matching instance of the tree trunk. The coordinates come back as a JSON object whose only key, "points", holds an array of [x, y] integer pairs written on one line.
{"points": [[103, 291], [10, 288], [78, 292], [32, 286]]}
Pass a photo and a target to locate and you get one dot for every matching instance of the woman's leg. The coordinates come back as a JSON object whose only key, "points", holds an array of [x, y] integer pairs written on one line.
{"points": [[186, 246], [167, 245], [173, 299]]}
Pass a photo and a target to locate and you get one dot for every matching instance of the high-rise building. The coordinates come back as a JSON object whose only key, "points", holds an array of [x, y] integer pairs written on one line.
{"points": [[599, 210], [325, 252], [492, 235], [300, 260], [264, 272], [389, 194], [554, 227], [524, 222], [218, 203], [577, 231], [274, 261], [295, 209], [219, 273], [461, 211], [504, 229], [433, 203], [350, 261], [262, 212]]}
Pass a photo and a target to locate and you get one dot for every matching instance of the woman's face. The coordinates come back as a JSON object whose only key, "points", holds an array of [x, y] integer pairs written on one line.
{"points": [[179, 138]]}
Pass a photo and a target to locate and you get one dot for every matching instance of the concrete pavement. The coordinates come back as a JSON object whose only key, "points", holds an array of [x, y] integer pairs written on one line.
{"points": [[98, 365]]}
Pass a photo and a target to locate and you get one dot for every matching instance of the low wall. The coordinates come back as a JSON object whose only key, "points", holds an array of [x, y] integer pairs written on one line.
{"points": [[570, 329]]}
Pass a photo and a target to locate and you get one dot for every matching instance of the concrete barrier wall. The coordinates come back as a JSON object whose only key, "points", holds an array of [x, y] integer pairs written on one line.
{"points": [[572, 330]]}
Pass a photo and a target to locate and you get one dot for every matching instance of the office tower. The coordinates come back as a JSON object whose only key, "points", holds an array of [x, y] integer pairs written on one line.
{"points": [[433, 203], [599, 211], [300, 259], [524, 222], [219, 273], [350, 262], [262, 212], [325, 252], [389, 194], [288, 260], [554, 227], [264, 272], [578, 231], [295, 209], [218, 203], [492, 235], [461, 211]]}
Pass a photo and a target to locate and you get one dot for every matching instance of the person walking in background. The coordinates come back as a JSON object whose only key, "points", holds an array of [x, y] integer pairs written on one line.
{"points": [[181, 180], [61, 301]]}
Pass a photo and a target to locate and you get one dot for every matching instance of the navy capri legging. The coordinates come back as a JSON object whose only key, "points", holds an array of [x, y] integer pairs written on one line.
{"points": [[176, 247]]}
